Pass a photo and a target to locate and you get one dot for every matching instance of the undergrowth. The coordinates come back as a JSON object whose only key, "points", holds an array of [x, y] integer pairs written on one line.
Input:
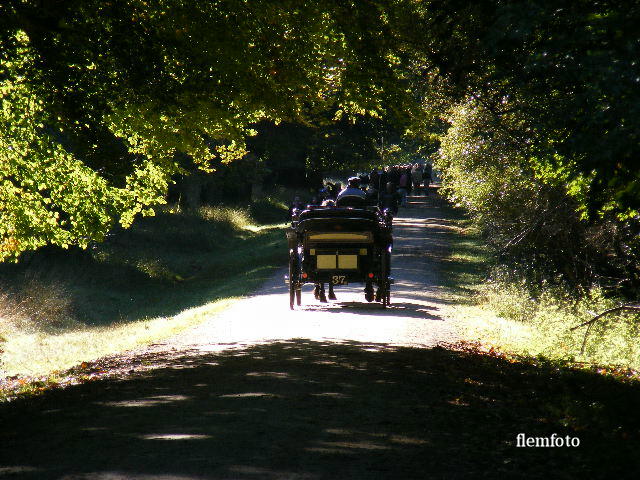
{"points": [[499, 308], [60, 308]]}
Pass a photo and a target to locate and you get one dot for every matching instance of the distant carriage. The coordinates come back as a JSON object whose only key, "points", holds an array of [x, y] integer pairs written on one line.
{"points": [[341, 245]]}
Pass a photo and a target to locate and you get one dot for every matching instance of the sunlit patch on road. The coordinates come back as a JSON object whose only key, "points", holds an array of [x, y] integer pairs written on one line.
{"points": [[174, 436], [248, 395], [412, 319], [148, 401]]}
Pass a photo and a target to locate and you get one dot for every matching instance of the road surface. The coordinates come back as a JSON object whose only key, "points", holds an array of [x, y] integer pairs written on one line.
{"points": [[412, 320], [344, 390]]}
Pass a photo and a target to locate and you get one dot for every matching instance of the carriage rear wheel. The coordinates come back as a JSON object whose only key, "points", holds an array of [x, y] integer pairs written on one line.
{"points": [[385, 286], [295, 292], [292, 294]]}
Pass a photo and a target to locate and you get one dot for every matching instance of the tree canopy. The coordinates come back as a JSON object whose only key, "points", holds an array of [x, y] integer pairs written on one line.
{"points": [[101, 97]]}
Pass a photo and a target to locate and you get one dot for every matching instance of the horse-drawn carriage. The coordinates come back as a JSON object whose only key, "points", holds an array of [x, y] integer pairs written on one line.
{"points": [[338, 246]]}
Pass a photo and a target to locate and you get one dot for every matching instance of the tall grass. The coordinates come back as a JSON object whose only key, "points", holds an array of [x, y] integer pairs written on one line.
{"points": [[37, 306], [229, 217], [60, 308], [509, 317], [36, 352], [498, 308]]}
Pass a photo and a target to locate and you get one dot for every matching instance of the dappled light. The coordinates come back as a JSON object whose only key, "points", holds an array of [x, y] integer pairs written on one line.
{"points": [[174, 436], [149, 401], [413, 318], [181, 179], [321, 410]]}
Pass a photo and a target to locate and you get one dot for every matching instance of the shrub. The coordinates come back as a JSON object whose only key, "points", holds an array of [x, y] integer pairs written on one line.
{"points": [[539, 323], [530, 212]]}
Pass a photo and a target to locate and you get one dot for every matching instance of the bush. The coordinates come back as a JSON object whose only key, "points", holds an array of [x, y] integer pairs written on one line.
{"points": [[61, 307], [530, 212], [539, 323]]}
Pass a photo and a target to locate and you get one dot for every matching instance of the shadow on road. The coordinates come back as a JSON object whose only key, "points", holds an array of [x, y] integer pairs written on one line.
{"points": [[307, 410], [401, 309]]}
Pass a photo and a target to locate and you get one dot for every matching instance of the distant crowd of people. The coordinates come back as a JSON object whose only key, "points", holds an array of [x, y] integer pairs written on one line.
{"points": [[386, 187]]}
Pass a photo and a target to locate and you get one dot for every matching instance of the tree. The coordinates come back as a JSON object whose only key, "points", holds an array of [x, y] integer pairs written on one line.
{"points": [[80, 80], [110, 93]]}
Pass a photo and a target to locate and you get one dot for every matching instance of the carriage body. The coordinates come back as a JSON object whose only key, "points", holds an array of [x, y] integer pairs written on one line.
{"points": [[339, 246]]}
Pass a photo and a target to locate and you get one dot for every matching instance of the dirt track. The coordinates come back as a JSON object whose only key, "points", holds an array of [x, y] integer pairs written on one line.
{"points": [[412, 320], [338, 391]]}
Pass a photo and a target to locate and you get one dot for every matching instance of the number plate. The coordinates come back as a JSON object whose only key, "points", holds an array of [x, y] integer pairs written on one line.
{"points": [[338, 279]]}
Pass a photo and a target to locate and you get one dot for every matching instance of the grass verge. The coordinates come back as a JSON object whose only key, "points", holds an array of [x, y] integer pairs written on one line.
{"points": [[496, 309], [167, 273]]}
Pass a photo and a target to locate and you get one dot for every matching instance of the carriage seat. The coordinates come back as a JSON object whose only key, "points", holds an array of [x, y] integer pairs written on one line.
{"points": [[369, 213], [351, 201]]}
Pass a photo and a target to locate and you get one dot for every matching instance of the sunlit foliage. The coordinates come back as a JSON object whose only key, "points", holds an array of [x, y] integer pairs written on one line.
{"points": [[109, 93], [99, 97], [541, 144]]}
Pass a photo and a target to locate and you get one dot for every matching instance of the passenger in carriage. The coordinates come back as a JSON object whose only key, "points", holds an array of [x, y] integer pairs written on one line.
{"points": [[352, 195], [296, 206], [324, 192], [372, 195]]}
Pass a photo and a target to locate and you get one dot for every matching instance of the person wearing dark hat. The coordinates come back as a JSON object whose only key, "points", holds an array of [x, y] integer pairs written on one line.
{"points": [[352, 195]]}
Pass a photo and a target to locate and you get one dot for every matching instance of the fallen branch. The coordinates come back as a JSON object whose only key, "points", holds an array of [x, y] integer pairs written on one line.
{"points": [[589, 323], [627, 306]]}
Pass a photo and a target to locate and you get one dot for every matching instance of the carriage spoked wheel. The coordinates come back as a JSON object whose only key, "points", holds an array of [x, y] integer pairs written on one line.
{"points": [[385, 287], [295, 291], [292, 294]]}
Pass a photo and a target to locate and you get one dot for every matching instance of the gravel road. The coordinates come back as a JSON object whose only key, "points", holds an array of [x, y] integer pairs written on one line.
{"points": [[412, 320], [344, 390]]}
